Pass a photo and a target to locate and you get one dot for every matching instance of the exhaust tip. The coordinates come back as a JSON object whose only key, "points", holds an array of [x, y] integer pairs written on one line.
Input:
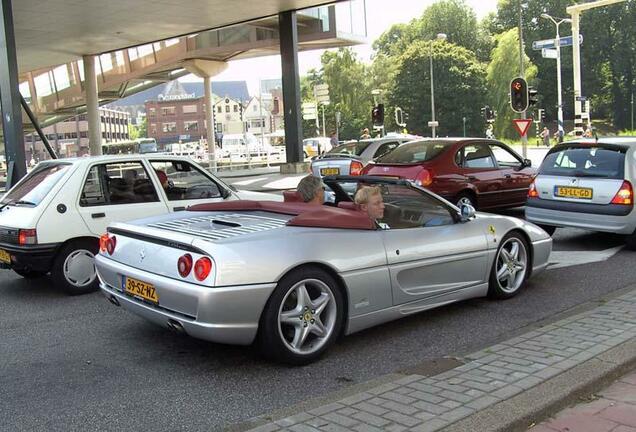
{"points": [[114, 300], [175, 326]]}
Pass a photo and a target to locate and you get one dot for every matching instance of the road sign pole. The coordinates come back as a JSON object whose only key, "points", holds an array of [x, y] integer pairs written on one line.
{"points": [[559, 102], [524, 138]]}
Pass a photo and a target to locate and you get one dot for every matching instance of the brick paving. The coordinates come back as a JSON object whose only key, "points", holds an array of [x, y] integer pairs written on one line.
{"points": [[428, 404], [612, 410]]}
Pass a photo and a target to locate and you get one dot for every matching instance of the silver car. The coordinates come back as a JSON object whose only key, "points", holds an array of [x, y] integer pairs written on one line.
{"points": [[349, 158], [295, 276], [587, 184]]}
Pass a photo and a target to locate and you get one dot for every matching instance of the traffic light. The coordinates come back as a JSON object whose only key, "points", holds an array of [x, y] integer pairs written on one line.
{"points": [[519, 95], [490, 114], [377, 115], [542, 115], [483, 111], [532, 96]]}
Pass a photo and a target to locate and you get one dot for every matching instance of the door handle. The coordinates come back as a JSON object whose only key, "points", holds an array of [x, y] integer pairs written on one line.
{"points": [[471, 177], [507, 176], [178, 208], [98, 215]]}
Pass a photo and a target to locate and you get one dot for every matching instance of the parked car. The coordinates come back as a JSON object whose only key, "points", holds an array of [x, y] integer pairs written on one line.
{"points": [[52, 219], [483, 173], [210, 272], [587, 184], [349, 158], [316, 146]]}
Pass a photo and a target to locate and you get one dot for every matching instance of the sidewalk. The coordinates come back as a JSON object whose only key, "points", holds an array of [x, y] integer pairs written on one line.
{"points": [[510, 386], [612, 410]]}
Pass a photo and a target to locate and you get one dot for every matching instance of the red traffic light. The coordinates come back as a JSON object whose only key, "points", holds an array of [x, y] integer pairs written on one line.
{"points": [[519, 95]]}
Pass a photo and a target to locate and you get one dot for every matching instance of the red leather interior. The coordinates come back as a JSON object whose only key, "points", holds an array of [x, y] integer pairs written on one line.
{"points": [[292, 196], [306, 215], [348, 205]]}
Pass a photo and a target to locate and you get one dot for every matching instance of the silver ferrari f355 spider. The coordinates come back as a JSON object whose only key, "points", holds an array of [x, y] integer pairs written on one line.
{"points": [[293, 277]]}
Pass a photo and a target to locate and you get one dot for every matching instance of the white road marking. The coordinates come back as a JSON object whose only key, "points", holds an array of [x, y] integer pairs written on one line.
{"points": [[285, 183], [249, 182], [560, 259]]}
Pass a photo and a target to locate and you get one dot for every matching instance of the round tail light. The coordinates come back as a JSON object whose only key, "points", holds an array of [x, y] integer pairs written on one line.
{"points": [[184, 265], [202, 268], [356, 168], [110, 245]]}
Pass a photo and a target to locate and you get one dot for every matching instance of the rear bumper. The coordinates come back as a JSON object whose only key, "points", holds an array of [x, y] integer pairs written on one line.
{"points": [[590, 221], [30, 257], [224, 314]]}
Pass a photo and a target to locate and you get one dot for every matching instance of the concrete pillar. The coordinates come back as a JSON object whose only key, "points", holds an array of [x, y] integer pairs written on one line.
{"points": [[10, 98], [209, 117], [291, 92], [92, 106]]}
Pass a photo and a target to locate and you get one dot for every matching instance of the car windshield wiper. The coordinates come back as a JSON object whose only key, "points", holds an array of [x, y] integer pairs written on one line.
{"points": [[17, 202]]}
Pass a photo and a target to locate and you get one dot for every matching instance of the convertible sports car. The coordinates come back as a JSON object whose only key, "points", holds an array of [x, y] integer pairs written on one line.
{"points": [[294, 276]]}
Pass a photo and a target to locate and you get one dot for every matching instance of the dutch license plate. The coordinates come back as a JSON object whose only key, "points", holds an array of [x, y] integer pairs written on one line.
{"points": [[329, 171], [573, 192], [141, 289], [5, 257]]}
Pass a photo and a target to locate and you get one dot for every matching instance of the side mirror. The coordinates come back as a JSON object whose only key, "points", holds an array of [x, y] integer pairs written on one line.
{"points": [[466, 212], [232, 187], [527, 163]]}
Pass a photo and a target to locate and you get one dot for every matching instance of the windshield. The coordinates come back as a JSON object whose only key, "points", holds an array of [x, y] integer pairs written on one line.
{"points": [[352, 148], [585, 161], [147, 147], [419, 151], [37, 184]]}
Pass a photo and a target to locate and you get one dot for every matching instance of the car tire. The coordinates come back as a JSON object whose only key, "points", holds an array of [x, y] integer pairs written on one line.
{"points": [[466, 198], [510, 268], [630, 241], [74, 267], [306, 303], [548, 228], [30, 274]]}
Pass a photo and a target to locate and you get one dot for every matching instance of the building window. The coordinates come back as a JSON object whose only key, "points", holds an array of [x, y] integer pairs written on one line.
{"points": [[152, 111], [227, 108], [191, 126], [219, 109], [190, 109], [219, 128], [255, 108], [168, 110], [235, 108], [170, 127], [153, 128], [83, 134]]}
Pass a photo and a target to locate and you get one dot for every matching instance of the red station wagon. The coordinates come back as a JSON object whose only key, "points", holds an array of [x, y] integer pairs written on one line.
{"points": [[483, 173]]}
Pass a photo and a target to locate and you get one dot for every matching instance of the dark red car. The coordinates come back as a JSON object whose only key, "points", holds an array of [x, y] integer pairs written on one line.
{"points": [[483, 173]]}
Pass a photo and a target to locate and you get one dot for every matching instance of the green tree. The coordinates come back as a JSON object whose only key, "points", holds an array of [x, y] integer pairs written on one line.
{"points": [[133, 131], [460, 88], [455, 18], [349, 92], [503, 67], [143, 129]]}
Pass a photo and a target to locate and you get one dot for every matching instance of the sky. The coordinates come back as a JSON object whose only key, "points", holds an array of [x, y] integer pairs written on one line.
{"points": [[381, 15]]}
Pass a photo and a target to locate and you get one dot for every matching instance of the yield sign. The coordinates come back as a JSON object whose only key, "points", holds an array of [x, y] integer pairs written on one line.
{"points": [[522, 125]]}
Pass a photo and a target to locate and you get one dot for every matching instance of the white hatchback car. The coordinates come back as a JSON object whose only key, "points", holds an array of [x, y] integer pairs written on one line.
{"points": [[51, 220], [587, 184]]}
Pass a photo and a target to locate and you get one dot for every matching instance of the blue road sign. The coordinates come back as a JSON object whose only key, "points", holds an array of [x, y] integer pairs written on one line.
{"points": [[549, 43]]}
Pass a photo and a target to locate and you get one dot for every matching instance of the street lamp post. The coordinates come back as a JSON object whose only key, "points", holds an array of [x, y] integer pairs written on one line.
{"points": [[440, 36], [558, 66]]}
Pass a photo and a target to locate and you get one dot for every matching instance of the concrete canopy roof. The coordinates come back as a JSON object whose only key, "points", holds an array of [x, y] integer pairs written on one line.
{"points": [[52, 32]]}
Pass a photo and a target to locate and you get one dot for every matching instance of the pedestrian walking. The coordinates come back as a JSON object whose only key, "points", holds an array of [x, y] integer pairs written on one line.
{"points": [[545, 136]]}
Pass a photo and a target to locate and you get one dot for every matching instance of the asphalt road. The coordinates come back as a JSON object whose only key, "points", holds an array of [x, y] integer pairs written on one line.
{"points": [[81, 364]]}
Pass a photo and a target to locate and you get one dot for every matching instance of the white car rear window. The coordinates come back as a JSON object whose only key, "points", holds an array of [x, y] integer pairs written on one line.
{"points": [[37, 184], [585, 161]]}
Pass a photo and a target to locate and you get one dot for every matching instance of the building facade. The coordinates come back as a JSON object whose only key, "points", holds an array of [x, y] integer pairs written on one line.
{"points": [[70, 138], [228, 116], [174, 119]]}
